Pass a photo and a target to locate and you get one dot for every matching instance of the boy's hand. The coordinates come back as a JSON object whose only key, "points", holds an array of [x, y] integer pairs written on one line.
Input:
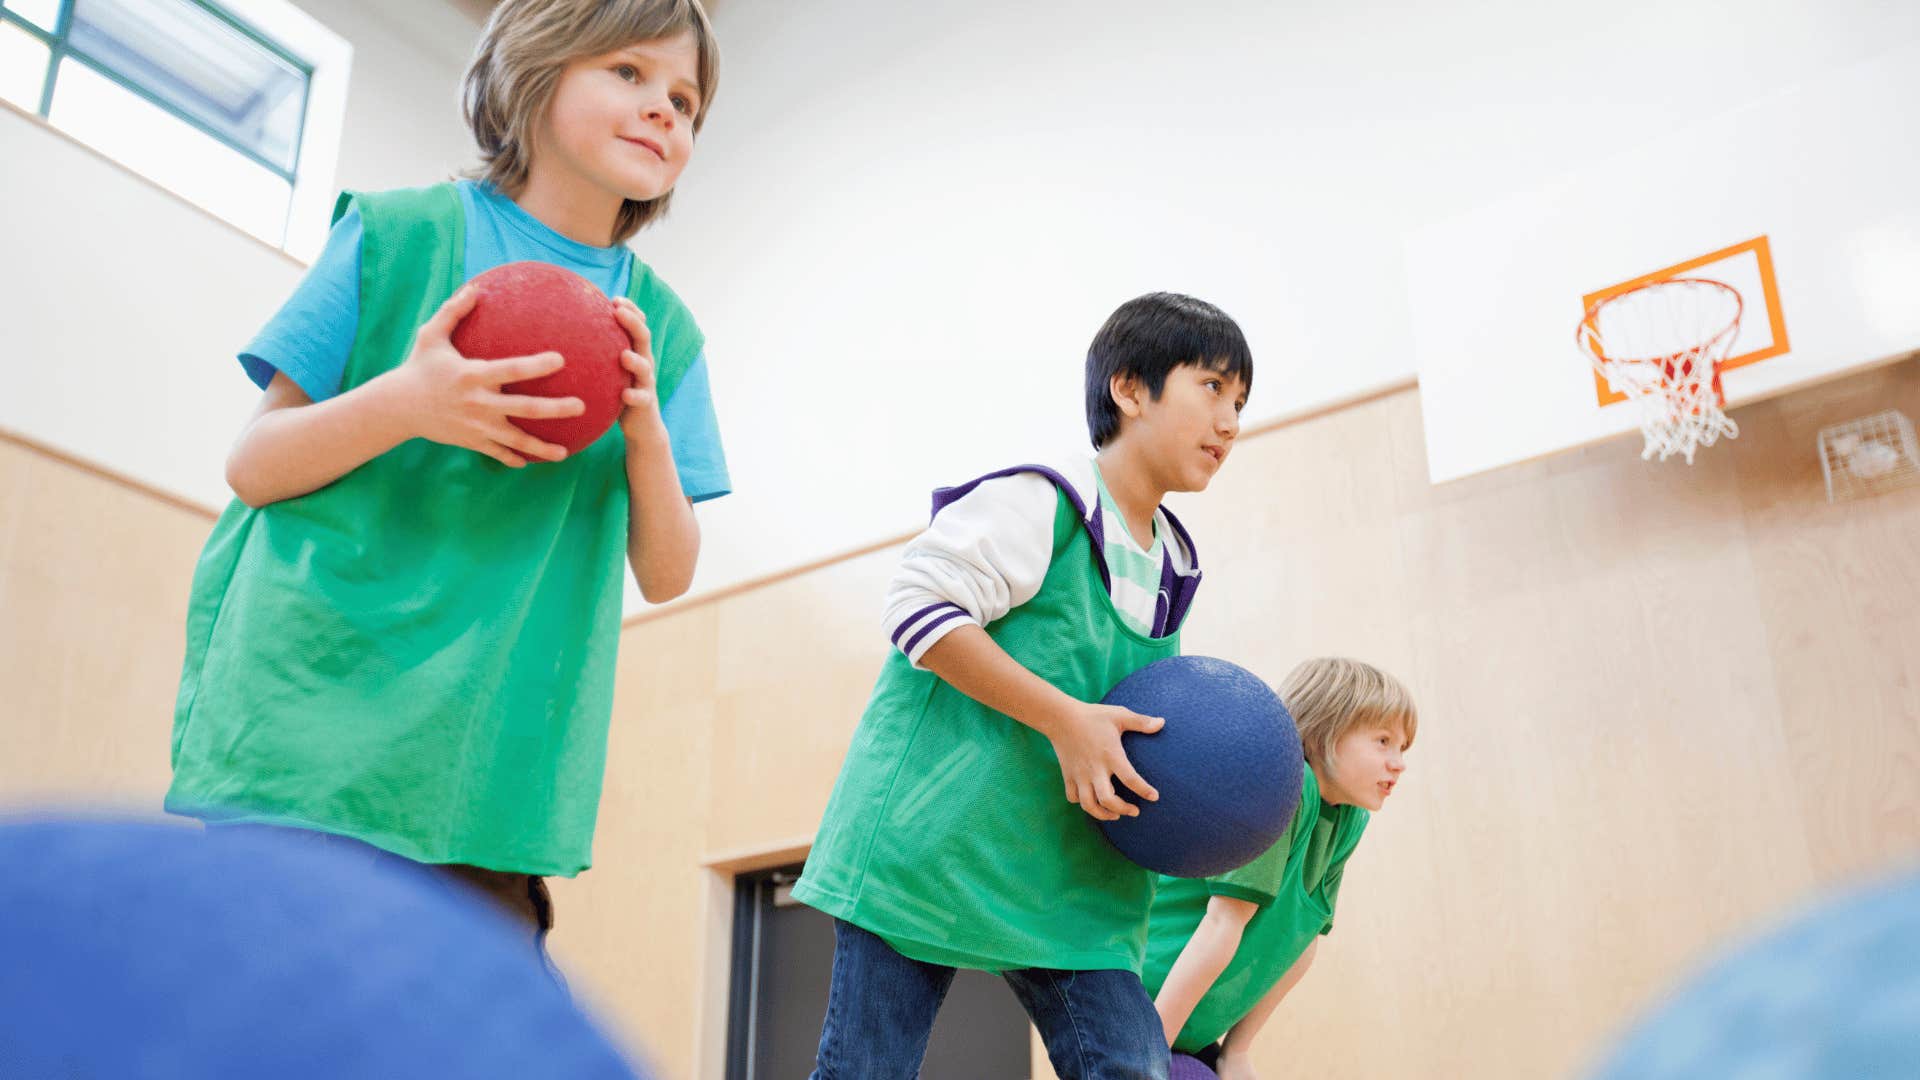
{"points": [[1235, 1065], [1087, 741], [640, 419], [450, 399]]}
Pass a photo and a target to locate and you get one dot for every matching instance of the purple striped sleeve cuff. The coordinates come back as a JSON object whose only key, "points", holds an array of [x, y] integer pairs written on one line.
{"points": [[919, 631]]}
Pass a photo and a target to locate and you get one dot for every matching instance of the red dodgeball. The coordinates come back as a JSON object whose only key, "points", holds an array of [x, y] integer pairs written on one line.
{"points": [[526, 308]]}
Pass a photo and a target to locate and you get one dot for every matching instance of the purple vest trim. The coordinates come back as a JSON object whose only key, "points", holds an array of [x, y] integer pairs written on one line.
{"points": [[1176, 591]]}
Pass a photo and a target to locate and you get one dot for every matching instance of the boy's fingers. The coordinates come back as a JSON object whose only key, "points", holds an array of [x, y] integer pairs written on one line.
{"points": [[1134, 781], [451, 312], [503, 455], [640, 367], [526, 445], [1133, 721], [634, 323], [537, 450], [1083, 797], [1111, 802], [522, 368], [538, 408]]}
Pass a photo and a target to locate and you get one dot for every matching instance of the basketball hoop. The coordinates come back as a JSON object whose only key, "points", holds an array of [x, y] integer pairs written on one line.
{"points": [[1661, 345]]}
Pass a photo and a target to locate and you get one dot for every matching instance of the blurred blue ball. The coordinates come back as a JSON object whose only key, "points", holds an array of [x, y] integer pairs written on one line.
{"points": [[141, 949], [1833, 994]]}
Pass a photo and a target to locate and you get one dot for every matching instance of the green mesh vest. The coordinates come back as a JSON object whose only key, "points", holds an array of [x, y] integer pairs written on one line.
{"points": [[1296, 884], [948, 833], [419, 655]]}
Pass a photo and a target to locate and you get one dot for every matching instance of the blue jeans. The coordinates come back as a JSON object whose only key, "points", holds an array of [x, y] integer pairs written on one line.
{"points": [[1097, 1025]]}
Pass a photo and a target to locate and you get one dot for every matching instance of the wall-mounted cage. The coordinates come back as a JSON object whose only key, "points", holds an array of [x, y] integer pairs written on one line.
{"points": [[1868, 456]]}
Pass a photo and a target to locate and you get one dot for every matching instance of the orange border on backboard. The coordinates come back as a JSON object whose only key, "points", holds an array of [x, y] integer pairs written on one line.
{"points": [[1762, 253]]}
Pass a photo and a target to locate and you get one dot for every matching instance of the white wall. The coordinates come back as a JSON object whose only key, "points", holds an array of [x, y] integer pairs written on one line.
{"points": [[403, 110], [124, 306], [905, 221]]}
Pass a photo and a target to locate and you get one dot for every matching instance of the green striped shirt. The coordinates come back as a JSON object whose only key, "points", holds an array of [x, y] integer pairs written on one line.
{"points": [[1135, 587]]}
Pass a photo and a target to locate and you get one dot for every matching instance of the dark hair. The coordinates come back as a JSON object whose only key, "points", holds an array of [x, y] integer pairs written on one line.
{"points": [[1148, 337]]}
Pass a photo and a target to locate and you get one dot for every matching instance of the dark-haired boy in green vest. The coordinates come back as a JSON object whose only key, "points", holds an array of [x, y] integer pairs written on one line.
{"points": [[958, 832], [401, 634]]}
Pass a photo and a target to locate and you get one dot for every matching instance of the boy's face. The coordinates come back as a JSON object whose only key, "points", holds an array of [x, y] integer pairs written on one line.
{"points": [[1367, 763], [623, 120], [1189, 430]]}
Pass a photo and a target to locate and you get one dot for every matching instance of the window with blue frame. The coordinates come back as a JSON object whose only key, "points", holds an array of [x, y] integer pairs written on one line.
{"points": [[183, 92]]}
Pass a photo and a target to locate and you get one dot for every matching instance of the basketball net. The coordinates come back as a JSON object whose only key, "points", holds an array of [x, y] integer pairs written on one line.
{"points": [[1662, 345]]}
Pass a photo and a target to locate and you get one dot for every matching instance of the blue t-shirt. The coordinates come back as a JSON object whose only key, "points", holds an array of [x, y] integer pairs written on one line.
{"points": [[311, 336]]}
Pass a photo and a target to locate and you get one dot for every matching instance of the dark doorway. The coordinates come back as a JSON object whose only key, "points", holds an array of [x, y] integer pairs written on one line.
{"points": [[782, 964]]}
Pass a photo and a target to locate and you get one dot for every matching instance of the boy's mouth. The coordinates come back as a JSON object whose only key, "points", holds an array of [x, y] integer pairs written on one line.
{"points": [[649, 144], [1217, 453]]}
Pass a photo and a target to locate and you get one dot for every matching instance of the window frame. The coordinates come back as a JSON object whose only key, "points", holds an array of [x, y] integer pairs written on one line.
{"points": [[60, 48], [324, 60]]}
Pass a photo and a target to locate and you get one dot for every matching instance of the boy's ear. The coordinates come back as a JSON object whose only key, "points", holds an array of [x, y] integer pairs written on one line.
{"points": [[1127, 391]]}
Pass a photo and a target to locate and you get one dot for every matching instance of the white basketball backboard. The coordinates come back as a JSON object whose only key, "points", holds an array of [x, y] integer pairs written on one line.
{"points": [[1806, 202]]}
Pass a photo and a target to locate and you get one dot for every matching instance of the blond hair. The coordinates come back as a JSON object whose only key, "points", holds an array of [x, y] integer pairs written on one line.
{"points": [[1330, 696], [517, 66]]}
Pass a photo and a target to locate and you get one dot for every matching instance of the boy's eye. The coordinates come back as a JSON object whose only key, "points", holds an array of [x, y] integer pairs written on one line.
{"points": [[626, 71], [683, 103]]}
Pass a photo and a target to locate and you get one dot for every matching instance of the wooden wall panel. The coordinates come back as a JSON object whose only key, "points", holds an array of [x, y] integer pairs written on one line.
{"points": [[93, 602], [626, 931], [1661, 706]]}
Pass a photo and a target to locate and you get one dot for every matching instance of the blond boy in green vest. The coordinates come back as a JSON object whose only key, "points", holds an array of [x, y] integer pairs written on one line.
{"points": [[1223, 951], [401, 634]]}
